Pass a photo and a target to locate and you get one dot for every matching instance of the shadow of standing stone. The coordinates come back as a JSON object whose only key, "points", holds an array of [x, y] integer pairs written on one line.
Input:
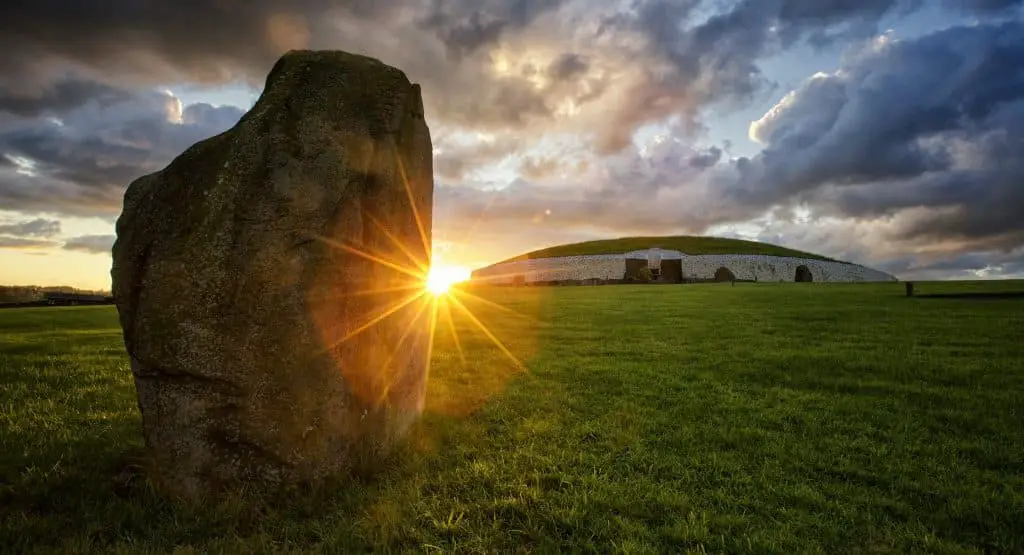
{"points": [[235, 276]]}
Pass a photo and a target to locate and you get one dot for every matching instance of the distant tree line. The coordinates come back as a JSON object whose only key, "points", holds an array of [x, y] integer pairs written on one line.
{"points": [[32, 293]]}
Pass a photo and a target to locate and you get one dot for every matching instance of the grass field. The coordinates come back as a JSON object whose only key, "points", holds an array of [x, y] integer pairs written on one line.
{"points": [[772, 418], [683, 243]]}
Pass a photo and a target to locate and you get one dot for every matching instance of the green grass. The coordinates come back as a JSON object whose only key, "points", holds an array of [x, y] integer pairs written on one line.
{"points": [[771, 418], [683, 243]]}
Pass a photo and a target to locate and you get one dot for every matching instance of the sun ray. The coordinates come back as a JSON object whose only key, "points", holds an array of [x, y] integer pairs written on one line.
{"points": [[393, 309], [433, 329], [491, 303], [487, 332], [415, 260], [372, 257], [412, 201], [381, 290], [480, 217], [401, 339], [455, 332]]}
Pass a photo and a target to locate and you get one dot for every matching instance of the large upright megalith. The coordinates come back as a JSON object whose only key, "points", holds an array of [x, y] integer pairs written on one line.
{"points": [[268, 285]]}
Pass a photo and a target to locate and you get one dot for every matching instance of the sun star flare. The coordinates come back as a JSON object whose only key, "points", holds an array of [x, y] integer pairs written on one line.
{"points": [[442, 276]]}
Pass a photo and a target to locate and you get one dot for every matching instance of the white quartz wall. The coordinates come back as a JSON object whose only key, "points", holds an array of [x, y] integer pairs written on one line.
{"points": [[564, 268], [743, 266], [777, 268]]}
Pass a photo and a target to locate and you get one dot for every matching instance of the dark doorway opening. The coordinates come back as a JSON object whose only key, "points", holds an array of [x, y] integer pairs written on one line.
{"points": [[724, 274], [803, 274], [633, 268], [672, 271]]}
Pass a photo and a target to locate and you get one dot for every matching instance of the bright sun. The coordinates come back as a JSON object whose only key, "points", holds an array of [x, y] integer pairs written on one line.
{"points": [[441, 277]]}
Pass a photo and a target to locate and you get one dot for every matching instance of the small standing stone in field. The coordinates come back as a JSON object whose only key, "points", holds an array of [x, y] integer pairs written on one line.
{"points": [[243, 299]]}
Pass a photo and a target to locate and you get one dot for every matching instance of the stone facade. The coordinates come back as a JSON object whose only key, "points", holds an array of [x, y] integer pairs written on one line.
{"points": [[695, 267]]}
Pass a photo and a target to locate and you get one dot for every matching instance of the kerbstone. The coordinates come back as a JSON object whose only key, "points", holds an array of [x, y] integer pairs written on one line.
{"points": [[242, 295]]}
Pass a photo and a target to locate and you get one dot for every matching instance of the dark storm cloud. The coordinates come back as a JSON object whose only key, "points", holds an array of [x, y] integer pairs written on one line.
{"points": [[567, 66], [205, 116], [706, 159], [935, 123], [971, 265], [464, 26], [984, 5], [457, 158], [57, 97], [668, 64], [93, 244], [82, 164], [205, 40], [125, 43], [716, 60]]}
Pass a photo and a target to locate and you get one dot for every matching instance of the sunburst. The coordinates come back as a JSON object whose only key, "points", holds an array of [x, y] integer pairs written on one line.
{"points": [[430, 290]]}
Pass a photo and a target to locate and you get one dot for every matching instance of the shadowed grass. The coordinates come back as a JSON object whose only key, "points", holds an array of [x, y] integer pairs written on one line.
{"points": [[779, 418]]}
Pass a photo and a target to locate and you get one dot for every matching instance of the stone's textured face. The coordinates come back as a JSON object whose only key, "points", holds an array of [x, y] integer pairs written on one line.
{"points": [[237, 298]]}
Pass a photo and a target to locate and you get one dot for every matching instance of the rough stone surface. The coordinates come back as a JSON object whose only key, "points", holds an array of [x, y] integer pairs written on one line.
{"points": [[236, 295]]}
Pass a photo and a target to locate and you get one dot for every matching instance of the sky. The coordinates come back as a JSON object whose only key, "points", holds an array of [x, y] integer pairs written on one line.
{"points": [[882, 132]]}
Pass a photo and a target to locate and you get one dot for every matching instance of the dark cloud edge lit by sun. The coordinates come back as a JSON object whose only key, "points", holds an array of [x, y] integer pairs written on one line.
{"points": [[883, 132]]}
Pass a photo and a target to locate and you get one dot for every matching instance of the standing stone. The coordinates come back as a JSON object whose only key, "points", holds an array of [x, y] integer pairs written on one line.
{"points": [[243, 301]]}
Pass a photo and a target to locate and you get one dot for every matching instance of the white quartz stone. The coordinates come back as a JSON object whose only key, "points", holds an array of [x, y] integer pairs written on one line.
{"points": [[703, 266]]}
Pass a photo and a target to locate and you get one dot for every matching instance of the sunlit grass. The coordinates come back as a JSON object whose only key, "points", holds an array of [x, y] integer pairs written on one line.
{"points": [[772, 418]]}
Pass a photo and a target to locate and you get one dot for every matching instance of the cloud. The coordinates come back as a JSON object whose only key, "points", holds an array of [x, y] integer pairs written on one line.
{"points": [[465, 26], [535, 106], [81, 164], [539, 167], [984, 6], [57, 97], [567, 66], [199, 40], [649, 189], [459, 153], [94, 244], [706, 159], [971, 265], [928, 124], [905, 157], [603, 69], [715, 62], [39, 227], [20, 243], [126, 45]]}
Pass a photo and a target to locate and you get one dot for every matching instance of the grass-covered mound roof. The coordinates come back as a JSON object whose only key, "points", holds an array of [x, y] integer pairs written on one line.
{"points": [[685, 243]]}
